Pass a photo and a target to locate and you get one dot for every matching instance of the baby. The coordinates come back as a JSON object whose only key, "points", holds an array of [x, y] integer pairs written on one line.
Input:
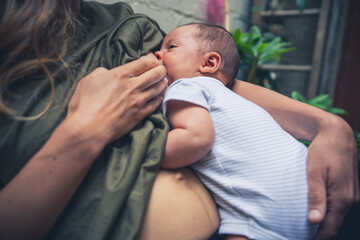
{"points": [[255, 170]]}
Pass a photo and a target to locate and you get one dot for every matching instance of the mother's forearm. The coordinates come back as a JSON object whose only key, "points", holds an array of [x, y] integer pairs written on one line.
{"points": [[299, 119], [331, 160], [32, 201]]}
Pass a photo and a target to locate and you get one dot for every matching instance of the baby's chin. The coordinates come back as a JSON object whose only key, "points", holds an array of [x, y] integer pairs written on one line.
{"points": [[170, 79]]}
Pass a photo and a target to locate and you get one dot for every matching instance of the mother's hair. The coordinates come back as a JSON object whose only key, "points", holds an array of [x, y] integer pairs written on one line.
{"points": [[34, 36]]}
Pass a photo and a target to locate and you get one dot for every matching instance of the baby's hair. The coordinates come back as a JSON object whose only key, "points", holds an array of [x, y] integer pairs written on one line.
{"points": [[219, 40]]}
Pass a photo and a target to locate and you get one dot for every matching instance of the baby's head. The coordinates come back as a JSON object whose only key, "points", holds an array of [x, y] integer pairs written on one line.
{"points": [[200, 49]]}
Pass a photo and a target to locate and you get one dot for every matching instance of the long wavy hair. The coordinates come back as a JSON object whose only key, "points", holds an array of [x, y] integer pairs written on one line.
{"points": [[34, 35]]}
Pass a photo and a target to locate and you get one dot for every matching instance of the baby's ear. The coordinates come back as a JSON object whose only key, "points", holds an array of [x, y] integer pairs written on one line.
{"points": [[211, 63]]}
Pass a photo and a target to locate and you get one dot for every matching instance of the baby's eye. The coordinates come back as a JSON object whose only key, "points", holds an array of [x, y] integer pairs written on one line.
{"points": [[172, 46]]}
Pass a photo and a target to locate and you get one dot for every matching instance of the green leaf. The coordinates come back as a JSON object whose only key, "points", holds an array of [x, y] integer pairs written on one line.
{"points": [[298, 96], [301, 4], [253, 38], [273, 50], [255, 46], [357, 138], [262, 46], [255, 31], [274, 55], [322, 99], [305, 142], [251, 45], [338, 111], [246, 49], [318, 106], [237, 35]]}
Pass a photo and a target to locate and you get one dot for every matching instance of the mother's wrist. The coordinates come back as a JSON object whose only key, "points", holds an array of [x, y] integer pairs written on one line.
{"points": [[336, 127], [85, 136]]}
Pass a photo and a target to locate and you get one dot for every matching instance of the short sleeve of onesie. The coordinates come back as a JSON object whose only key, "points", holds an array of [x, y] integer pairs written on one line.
{"points": [[189, 90]]}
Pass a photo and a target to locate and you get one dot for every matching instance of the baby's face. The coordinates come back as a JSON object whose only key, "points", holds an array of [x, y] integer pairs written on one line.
{"points": [[180, 54]]}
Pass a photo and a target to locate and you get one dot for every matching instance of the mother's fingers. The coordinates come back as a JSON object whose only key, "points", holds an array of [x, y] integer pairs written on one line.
{"points": [[151, 106], [151, 77], [98, 71], [317, 177], [155, 90], [330, 227], [137, 67]]}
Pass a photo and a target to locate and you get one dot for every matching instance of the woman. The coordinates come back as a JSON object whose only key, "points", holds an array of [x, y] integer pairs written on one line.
{"points": [[80, 145]]}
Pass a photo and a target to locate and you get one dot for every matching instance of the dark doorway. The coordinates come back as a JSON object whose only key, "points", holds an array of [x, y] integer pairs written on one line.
{"points": [[347, 94]]}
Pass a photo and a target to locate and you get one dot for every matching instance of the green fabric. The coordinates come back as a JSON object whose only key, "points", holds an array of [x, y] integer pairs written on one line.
{"points": [[112, 199]]}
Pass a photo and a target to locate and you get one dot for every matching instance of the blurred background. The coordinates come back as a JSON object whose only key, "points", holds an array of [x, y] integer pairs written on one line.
{"points": [[319, 51]]}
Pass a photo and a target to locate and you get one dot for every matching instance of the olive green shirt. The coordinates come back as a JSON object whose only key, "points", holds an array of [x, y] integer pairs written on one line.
{"points": [[112, 200]]}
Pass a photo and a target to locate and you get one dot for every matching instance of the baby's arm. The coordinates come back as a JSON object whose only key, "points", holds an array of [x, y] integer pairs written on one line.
{"points": [[192, 136]]}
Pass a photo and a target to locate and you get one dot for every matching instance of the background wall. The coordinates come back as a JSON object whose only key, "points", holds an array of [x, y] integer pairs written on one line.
{"points": [[172, 13]]}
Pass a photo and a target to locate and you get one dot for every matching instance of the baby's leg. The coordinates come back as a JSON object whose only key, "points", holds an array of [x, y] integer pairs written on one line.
{"points": [[236, 237]]}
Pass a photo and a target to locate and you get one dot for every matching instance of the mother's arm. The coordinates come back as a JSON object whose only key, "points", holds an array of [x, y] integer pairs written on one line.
{"points": [[332, 158], [106, 105]]}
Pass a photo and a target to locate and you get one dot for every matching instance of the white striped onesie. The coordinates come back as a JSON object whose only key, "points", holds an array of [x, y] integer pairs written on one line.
{"points": [[255, 170]]}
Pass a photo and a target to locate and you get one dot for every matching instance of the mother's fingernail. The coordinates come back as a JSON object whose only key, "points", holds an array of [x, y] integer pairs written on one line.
{"points": [[314, 213]]}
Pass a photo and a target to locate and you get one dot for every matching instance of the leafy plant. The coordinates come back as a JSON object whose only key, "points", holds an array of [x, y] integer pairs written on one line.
{"points": [[322, 101], [357, 139], [301, 4], [256, 49]]}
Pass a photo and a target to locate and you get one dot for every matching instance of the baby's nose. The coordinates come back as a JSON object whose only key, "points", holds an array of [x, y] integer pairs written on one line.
{"points": [[159, 55]]}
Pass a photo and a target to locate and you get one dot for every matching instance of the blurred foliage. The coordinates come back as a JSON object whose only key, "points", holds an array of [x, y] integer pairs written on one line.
{"points": [[357, 138], [322, 101], [256, 49], [301, 4]]}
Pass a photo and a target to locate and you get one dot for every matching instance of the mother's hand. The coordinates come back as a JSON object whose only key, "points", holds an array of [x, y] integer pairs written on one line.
{"points": [[111, 102], [332, 164], [333, 179], [106, 104]]}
